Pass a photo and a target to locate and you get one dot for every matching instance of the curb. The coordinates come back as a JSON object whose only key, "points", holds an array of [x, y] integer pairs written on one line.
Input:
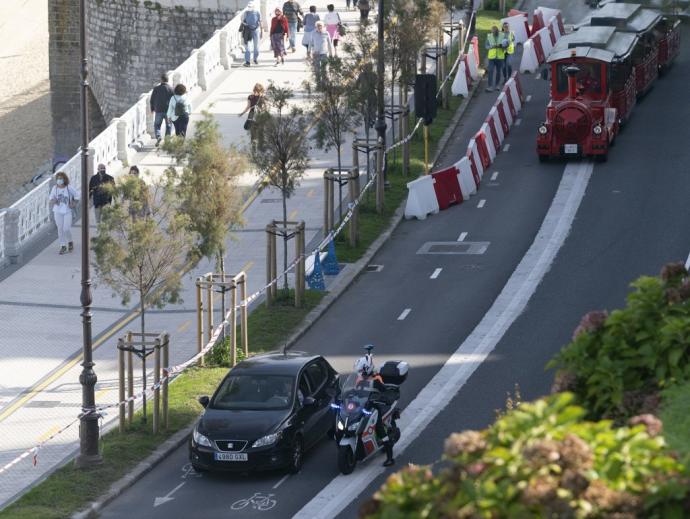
{"points": [[143, 468], [339, 286]]}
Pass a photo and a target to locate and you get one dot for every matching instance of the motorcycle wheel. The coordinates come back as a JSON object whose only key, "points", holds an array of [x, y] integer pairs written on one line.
{"points": [[346, 460]]}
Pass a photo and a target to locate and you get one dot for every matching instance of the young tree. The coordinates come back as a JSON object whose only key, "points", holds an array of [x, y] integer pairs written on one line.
{"points": [[206, 179], [281, 150], [143, 244], [360, 66], [333, 115]]}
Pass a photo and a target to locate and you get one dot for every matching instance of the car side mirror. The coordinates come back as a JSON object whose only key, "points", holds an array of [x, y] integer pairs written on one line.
{"points": [[204, 400], [309, 400]]}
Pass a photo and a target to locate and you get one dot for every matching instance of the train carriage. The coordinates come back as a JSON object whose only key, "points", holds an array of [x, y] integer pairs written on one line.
{"points": [[592, 90], [647, 24]]}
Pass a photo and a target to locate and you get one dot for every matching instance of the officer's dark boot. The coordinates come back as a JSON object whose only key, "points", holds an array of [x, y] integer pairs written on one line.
{"points": [[388, 448]]}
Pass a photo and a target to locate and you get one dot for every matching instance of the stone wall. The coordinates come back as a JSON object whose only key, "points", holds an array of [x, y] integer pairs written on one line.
{"points": [[130, 43], [133, 42]]}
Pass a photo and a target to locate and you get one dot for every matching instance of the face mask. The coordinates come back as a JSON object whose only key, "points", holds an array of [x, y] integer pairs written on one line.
{"points": [[60, 182]]}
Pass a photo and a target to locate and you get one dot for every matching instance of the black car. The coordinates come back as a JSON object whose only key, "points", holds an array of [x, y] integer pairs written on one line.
{"points": [[265, 414]]}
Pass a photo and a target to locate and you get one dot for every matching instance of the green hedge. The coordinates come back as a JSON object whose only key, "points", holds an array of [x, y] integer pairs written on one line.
{"points": [[543, 460], [618, 363]]}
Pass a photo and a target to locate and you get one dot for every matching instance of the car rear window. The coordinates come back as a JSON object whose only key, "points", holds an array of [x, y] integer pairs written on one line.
{"points": [[254, 392]]}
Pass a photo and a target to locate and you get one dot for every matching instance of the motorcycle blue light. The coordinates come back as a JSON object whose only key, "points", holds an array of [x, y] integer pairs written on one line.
{"points": [[366, 412], [335, 406]]}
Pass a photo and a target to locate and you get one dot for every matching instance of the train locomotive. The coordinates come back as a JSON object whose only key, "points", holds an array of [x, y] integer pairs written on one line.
{"points": [[597, 74]]}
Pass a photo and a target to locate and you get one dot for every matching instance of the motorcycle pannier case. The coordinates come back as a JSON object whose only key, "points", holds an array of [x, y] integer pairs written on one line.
{"points": [[394, 372]]}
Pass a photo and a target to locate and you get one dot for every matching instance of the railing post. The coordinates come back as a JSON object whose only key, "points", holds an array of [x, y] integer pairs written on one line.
{"points": [[121, 138], [166, 375], [233, 319], [224, 60], [148, 114], [199, 320], [121, 380], [264, 14], [130, 380], [243, 315], [209, 308], [12, 235], [201, 68], [269, 254], [353, 185], [176, 78], [156, 382]]}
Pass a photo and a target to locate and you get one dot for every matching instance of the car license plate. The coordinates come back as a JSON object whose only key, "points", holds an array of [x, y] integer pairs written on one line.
{"points": [[570, 148], [230, 456]]}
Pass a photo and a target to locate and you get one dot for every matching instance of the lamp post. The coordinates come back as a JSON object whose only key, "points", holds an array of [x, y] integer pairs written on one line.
{"points": [[380, 125], [89, 454]]}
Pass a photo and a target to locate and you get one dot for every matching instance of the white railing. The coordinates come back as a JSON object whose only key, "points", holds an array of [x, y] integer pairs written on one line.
{"points": [[30, 216]]}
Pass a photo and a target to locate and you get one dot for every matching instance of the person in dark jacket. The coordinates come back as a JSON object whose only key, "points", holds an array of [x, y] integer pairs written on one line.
{"points": [[292, 11], [160, 100], [99, 194]]}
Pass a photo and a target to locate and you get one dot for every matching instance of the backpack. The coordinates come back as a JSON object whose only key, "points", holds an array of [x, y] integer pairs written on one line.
{"points": [[179, 108]]}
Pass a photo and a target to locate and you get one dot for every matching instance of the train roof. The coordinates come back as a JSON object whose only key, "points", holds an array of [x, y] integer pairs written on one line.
{"points": [[626, 17], [600, 43]]}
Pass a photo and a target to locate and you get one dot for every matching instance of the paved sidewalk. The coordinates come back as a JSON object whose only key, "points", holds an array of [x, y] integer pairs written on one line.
{"points": [[40, 323]]}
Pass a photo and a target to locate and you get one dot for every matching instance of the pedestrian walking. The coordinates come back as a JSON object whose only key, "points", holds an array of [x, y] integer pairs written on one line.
{"points": [[363, 6], [254, 106], [100, 193], [179, 110], [496, 56], [508, 43], [279, 32], [333, 25], [252, 32], [321, 49], [63, 199], [160, 100], [139, 206], [310, 20], [292, 12]]}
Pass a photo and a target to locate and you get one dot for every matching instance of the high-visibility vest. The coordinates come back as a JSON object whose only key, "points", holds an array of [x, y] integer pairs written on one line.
{"points": [[495, 51], [511, 41]]}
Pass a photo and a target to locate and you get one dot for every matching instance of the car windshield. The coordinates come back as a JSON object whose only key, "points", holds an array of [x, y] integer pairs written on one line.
{"points": [[254, 392]]}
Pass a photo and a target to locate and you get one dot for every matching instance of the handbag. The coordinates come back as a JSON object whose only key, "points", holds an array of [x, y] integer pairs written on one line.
{"points": [[248, 124], [242, 26], [342, 30]]}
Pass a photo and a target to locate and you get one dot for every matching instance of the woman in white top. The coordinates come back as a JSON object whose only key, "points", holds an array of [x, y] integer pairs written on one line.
{"points": [[332, 21], [63, 198], [179, 110]]}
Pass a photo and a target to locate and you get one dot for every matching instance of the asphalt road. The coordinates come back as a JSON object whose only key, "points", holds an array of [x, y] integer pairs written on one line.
{"points": [[633, 219]]}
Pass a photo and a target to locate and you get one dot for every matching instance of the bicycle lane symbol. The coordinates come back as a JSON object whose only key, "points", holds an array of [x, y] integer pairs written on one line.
{"points": [[259, 501]]}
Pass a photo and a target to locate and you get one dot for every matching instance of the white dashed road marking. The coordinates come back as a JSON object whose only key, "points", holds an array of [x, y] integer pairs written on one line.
{"points": [[404, 314], [506, 147], [494, 176], [462, 236], [435, 273], [528, 98], [481, 203], [518, 122], [282, 480]]}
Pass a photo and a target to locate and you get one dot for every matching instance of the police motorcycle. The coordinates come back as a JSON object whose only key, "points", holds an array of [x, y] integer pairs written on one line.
{"points": [[367, 411]]}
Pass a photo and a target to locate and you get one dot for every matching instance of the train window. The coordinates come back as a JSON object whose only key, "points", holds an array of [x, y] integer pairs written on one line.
{"points": [[588, 78]]}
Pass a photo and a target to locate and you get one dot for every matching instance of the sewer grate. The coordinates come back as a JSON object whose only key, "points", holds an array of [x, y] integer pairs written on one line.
{"points": [[374, 268], [454, 247]]}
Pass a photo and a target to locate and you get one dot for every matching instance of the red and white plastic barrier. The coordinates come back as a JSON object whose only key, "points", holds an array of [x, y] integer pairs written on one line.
{"points": [[468, 186], [485, 131], [460, 86], [421, 199], [447, 187], [518, 24], [472, 66], [547, 29], [514, 94]]}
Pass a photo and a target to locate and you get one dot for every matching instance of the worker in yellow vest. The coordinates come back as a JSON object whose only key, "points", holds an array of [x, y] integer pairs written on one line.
{"points": [[508, 41], [496, 56]]}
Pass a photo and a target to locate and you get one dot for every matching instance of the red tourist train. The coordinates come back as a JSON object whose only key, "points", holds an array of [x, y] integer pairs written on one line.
{"points": [[597, 74]]}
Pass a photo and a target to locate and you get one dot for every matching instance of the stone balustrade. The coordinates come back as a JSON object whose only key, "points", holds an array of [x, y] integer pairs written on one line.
{"points": [[30, 218]]}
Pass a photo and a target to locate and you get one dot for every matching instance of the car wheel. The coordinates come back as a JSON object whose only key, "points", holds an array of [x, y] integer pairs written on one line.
{"points": [[296, 456], [346, 459]]}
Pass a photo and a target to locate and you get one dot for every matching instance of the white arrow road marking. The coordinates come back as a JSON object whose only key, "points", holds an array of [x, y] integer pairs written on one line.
{"points": [[167, 497], [448, 381]]}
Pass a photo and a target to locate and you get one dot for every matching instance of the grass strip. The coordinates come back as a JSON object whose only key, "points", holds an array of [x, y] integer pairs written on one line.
{"points": [[69, 489]]}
